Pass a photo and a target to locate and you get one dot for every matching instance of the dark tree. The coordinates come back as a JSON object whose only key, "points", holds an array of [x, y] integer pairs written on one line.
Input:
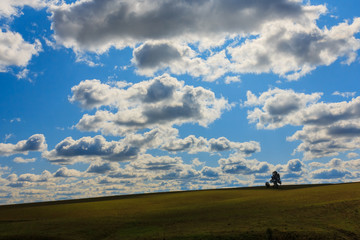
{"points": [[275, 179]]}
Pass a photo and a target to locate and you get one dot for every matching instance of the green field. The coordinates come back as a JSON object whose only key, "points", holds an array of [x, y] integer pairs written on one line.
{"points": [[292, 212]]}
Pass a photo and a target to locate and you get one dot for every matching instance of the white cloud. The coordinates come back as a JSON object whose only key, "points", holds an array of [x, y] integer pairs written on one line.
{"points": [[162, 101], [352, 155], [23, 74], [92, 94], [34, 143], [293, 50], [196, 162], [329, 174], [328, 140], [344, 94], [239, 165], [131, 147], [279, 36], [231, 79], [66, 173], [279, 107], [102, 167], [29, 177], [14, 51], [159, 168], [328, 128], [294, 165], [86, 149], [24, 160], [193, 144], [163, 173], [10, 8], [95, 149]]}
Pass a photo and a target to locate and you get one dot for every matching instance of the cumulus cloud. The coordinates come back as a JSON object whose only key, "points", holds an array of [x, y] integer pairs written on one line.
{"points": [[24, 160], [327, 140], [239, 165], [90, 149], [292, 50], [66, 173], [15, 51], [124, 173], [94, 149], [295, 165], [196, 162], [29, 177], [92, 93], [328, 128], [163, 168], [149, 162], [86, 149], [193, 144], [283, 47], [328, 113], [102, 167], [329, 174], [337, 163], [152, 57], [279, 36], [162, 101], [97, 25], [10, 8], [210, 172], [34, 143], [279, 107]]}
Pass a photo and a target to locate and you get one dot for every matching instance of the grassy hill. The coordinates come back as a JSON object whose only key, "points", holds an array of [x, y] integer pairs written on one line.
{"points": [[292, 212]]}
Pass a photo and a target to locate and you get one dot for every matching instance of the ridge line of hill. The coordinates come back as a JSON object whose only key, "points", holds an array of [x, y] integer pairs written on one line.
{"points": [[126, 196]]}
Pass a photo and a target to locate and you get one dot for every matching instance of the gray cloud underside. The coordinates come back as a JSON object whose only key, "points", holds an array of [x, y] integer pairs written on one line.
{"points": [[329, 174], [239, 165], [284, 48], [321, 141], [89, 24], [34, 143], [285, 107], [287, 40], [194, 145], [292, 50], [161, 101], [153, 55], [328, 128], [133, 146], [86, 149]]}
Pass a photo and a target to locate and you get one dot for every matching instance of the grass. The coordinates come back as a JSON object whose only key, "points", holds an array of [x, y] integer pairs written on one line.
{"points": [[292, 212]]}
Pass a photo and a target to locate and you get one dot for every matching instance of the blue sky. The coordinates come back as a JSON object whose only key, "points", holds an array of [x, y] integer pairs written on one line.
{"points": [[119, 97]]}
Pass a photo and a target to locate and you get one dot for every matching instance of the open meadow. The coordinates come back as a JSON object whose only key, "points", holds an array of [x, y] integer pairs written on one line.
{"points": [[292, 212]]}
